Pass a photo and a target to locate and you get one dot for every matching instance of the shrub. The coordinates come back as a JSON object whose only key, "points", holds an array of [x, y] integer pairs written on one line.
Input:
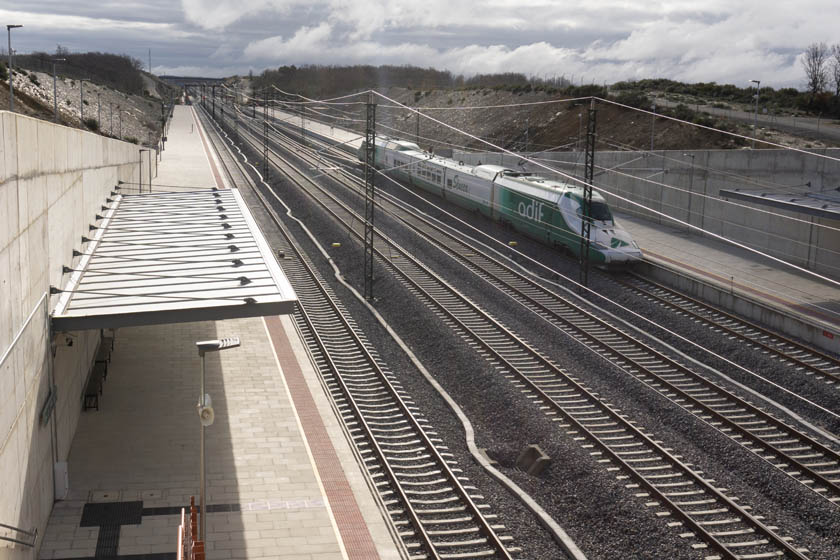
{"points": [[92, 124], [634, 99], [131, 139], [86, 102], [4, 74], [34, 79]]}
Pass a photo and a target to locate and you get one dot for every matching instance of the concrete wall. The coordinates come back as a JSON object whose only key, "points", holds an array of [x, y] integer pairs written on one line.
{"points": [[53, 180], [692, 186]]}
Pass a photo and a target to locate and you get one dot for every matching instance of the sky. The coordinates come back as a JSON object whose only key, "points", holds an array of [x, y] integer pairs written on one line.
{"points": [[597, 41]]}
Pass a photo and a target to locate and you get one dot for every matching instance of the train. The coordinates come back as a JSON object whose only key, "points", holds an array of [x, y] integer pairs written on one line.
{"points": [[544, 209]]}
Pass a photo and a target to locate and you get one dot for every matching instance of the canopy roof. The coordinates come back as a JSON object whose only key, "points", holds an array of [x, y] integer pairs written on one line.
{"points": [[172, 258]]}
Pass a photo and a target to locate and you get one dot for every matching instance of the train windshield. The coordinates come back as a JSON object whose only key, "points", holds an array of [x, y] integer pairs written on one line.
{"points": [[601, 212]]}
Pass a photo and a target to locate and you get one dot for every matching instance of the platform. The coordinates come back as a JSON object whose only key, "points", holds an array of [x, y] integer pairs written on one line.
{"points": [[733, 268], [282, 480]]}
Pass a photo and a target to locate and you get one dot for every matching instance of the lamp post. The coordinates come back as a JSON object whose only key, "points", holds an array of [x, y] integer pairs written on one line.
{"points": [[11, 88], [55, 89], [99, 110], [580, 129], [205, 416], [755, 114]]}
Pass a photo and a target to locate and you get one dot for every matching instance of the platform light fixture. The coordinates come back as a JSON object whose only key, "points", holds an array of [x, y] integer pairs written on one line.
{"points": [[9, 28], [206, 417]]}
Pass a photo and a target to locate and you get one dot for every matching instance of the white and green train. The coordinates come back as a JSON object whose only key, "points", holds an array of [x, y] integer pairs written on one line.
{"points": [[546, 210]]}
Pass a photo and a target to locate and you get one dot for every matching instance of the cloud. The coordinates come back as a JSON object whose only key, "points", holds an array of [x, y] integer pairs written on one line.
{"points": [[601, 40]]}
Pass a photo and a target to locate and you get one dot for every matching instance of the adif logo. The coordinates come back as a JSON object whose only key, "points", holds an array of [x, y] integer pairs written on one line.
{"points": [[533, 211]]}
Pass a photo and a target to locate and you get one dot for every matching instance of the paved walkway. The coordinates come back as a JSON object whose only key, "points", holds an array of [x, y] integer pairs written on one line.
{"points": [[185, 162], [282, 480]]}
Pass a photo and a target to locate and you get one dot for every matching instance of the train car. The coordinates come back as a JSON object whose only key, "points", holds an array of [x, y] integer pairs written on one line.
{"points": [[546, 210]]}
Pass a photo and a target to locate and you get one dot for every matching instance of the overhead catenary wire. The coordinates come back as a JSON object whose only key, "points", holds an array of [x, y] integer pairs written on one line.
{"points": [[786, 254], [620, 197], [636, 314], [665, 329]]}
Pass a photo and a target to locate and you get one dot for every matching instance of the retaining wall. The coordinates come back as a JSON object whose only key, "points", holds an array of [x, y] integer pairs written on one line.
{"points": [[53, 181]]}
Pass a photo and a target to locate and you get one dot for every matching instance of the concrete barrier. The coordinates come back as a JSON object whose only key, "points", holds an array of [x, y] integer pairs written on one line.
{"points": [[53, 180]]}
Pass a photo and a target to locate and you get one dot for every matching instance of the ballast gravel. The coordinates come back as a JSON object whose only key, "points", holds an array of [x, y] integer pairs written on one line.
{"points": [[599, 512]]}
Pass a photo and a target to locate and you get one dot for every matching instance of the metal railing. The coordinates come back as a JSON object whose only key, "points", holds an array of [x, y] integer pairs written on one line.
{"points": [[33, 534]]}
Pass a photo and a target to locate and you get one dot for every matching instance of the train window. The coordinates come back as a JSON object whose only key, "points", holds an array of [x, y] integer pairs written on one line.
{"points": [[601, 212]]}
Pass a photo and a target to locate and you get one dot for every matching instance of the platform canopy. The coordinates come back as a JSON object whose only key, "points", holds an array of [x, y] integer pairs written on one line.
{"points": [[172, 258], [825, 204]]}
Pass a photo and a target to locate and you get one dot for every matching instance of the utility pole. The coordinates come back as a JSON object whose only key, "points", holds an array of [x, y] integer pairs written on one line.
{"points": [[527, 128], [214, 101], [370, 176], [652, 123], [755, 114], [111, 106], [150, 62], [55, 90], [303, 124], [690, 188], [9, 28], [586, 201], [417, 128], [82, 101], [265, 138], [99, 110]]}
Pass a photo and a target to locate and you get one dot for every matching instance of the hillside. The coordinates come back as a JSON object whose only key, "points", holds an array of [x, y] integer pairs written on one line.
{"points": [[141, 114], [550, 126]]}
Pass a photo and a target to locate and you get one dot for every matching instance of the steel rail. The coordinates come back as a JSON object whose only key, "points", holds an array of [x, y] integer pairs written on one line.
{"points": [[470, 257], [445, 308], [326, 360]]}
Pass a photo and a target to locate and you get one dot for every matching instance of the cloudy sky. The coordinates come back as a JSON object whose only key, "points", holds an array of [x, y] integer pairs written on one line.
{"points": [[729, 41]]}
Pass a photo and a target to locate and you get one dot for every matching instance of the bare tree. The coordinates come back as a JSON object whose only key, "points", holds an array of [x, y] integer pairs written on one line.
{"points": [[834, 68], [814, 62]]}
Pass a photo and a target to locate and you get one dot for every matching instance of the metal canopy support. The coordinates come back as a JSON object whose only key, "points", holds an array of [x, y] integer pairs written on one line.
{"points": [[586, 202], [370, 154], [172, 258]]}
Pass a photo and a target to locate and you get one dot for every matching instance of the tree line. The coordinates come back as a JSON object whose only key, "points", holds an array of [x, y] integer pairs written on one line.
{"points": [[324, 80], [120, 72]]}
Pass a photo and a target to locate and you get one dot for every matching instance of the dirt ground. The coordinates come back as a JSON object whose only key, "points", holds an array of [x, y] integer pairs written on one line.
{"points": [[520, 124]]}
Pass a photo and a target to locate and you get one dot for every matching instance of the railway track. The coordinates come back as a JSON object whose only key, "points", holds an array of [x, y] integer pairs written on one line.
{"points": [[703, 512], [803, 359], [435, 510], [815, 465]]}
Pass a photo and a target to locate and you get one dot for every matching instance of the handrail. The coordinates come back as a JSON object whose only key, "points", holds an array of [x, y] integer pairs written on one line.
{"points": [[33, 533], [19, 334]]}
